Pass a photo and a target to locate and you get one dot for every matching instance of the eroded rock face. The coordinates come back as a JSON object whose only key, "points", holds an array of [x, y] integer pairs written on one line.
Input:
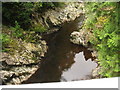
{"points": [[80, 37], [17, 74], [68, 13], [55, 18], [19, 66]]}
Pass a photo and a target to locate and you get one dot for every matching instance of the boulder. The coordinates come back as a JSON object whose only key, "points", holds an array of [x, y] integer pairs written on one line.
{"points": [[78, 38]]}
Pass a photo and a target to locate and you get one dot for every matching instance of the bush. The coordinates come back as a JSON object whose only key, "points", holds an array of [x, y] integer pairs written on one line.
{"points": [[5, 41], [17, 32], [39, 28], [20, 12], [103, 21]]}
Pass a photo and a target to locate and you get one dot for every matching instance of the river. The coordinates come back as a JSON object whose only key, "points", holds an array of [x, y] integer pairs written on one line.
{"points": [[64, 61]]}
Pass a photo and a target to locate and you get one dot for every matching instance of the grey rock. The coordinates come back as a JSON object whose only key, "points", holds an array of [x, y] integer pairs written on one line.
{"points": [[20, 65], [58, 16], [95, 73], [78, 38]]}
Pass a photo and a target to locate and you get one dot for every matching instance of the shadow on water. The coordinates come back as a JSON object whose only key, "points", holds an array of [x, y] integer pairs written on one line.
{"points": [[64, 61]]}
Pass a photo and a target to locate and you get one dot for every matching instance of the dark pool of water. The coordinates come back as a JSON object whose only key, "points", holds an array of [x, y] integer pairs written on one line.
{"points": [[64, 61]]}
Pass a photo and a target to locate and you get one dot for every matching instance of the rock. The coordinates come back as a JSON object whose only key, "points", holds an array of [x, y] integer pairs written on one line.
{"points": [[78, 38], [3, 56], [43, 42], [57, 17], [16, 75], [94, 54], [81, 36], [95, 72], [31, 47], [24, 54], [68, 13], [20, 63]]}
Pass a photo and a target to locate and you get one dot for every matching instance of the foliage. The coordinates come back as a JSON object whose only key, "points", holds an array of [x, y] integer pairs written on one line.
{"points": [[17, 32], [15, 11], [39, 28], [18, 17], [103, 21], [5, 41], [11, 37], [22, 11]]}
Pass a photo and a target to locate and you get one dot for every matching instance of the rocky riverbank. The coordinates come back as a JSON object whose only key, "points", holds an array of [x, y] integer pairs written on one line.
{"points": [[82, 37], [21, 60], [23, 57]]}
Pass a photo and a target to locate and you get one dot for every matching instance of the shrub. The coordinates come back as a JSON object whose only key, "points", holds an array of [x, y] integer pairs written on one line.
{"points": [[103, 21]]}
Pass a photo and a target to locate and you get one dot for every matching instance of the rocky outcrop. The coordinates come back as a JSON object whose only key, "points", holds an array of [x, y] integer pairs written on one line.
{"points": [[53, 19], [81, 36], [16, 74], [68, 13], [21, 61]]}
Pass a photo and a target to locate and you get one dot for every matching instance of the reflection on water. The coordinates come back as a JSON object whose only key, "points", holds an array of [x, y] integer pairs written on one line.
{"points": [[81, 69], [64, 61]]}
